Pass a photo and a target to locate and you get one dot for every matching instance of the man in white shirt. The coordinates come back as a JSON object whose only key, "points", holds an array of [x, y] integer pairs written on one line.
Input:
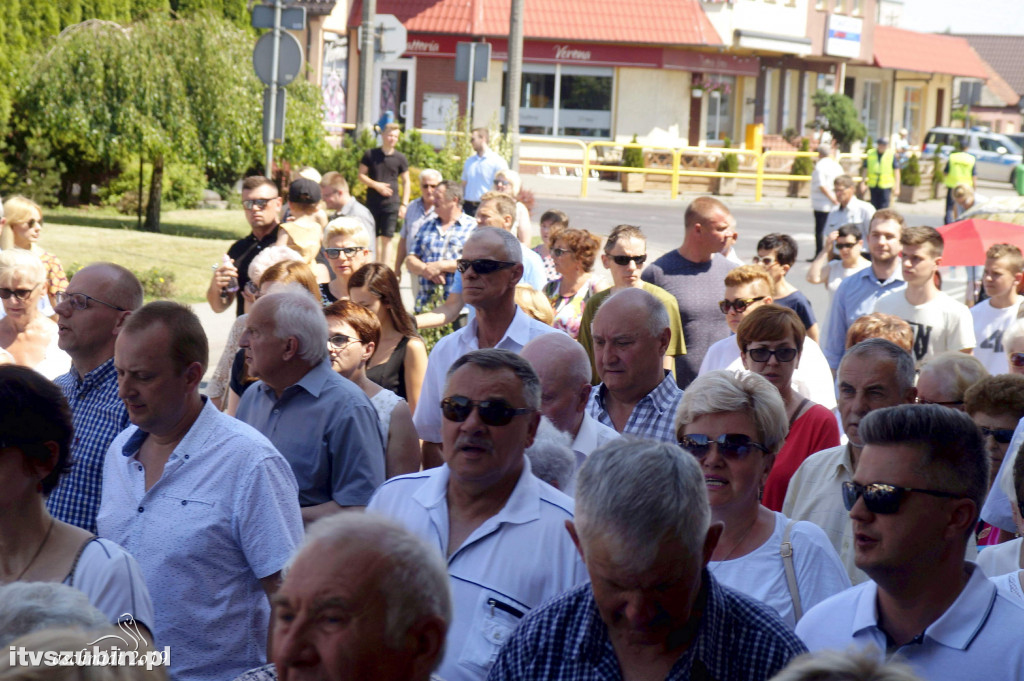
{"points": [[849, 209], [492, 265], [1004, 266], [940, 323], [501, 529], [564, 370], [914, 503], [823, 196], [874, 373], [205, 503]]}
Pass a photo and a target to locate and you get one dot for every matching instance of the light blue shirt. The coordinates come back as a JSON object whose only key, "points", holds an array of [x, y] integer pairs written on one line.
{"points": [[478, 173], [855, 297], [977, 638], [997, 510]]}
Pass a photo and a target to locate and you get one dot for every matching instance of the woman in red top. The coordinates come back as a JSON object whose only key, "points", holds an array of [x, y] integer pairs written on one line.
{"points": [[770, 339]]}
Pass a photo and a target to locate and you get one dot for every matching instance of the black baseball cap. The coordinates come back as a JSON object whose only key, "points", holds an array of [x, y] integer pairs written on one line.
{"points": [[304, 191]]}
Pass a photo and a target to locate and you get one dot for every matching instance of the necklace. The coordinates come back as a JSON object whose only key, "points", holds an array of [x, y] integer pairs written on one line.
{"points": [[737, 544], [38, 551]]}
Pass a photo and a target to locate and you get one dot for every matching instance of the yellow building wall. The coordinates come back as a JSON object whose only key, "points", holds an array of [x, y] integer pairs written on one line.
{"points": [[487, 97]]}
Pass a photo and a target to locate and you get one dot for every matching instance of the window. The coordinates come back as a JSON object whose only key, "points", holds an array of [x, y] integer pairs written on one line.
{"points": [[721, 96], [821, 5], [912, 98], [871, 107], [574, 101], [840, 6], [858, 8]]}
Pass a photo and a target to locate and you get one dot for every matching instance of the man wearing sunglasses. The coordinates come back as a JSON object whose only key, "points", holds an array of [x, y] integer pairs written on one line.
{"points": [[491, 266], [500, 528], [261, 202], [914, 503], [625, 253], [875, 373]]}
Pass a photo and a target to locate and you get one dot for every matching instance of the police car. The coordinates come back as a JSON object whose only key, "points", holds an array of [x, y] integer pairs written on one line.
{"points": [[997, 155]]}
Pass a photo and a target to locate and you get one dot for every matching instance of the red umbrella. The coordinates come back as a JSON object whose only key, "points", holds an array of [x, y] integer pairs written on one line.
{"points": [[967, 240]]}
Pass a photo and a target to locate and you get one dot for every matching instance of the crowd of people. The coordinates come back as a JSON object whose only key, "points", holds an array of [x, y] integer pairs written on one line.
{"points": [[663, 475]]}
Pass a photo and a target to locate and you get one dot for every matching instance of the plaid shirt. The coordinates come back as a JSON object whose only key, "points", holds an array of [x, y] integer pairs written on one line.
{"points": [[431, 245], [653, 416], [565, 639], [98, 415]]}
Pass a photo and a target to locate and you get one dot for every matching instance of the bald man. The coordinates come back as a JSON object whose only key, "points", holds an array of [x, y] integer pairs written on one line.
{"points": [[564, 370]]}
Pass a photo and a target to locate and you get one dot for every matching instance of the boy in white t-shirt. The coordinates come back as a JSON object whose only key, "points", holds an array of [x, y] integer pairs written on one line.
{"points": [[1004, 266], [940, 323]]}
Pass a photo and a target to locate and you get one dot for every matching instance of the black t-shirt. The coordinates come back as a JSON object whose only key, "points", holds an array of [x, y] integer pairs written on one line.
{"points": [[242, 252], [384, 168]]}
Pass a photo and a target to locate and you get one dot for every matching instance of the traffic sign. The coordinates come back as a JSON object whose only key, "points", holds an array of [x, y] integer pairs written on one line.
{"points": [[292, 18], [289, 59], [472, 55]]}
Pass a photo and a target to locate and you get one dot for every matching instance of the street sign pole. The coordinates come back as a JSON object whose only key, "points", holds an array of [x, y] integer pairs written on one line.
{"points": [[273, 86], [469, 84], [515, 79], [366, 58]]}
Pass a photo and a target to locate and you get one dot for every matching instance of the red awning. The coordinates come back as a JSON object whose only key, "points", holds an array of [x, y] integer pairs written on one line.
{"points": [[653, 22], [896, 48]]}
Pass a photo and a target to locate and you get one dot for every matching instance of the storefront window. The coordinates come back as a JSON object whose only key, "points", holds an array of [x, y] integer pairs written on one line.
{"points": [[571, 101], [721, 95], [912, 97], [872, 107]]}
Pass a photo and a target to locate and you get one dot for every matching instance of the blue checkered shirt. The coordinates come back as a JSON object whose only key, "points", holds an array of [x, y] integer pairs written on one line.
{"points": [[653, 416], [98, 415], [430, 245], [739, 639]]}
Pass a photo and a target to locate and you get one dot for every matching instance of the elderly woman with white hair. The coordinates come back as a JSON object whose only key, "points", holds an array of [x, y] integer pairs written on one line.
{"points": [[509, 182], [734, 424], [347, 247], [27, 336]]}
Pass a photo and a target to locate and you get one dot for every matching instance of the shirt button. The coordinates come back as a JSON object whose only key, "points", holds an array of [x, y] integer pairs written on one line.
{"points": [[141, 509], [277, 411], [140, 468], [183, 502], [186, 456]]}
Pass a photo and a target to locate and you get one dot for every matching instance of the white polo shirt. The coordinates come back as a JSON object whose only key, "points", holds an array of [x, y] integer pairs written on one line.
{"points": [[223, 515], [977, 638], [427, 419], [591, 435], [513, 562]]}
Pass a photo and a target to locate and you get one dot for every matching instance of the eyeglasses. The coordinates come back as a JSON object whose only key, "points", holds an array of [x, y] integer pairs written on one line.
{"points": [[258, 204], [31, 223], [349, 251], [492, 412], [559, 252], [1001, 435], [252, 288], [732, 446], [502, 183], [882, 498], [763, 354], [767, 262], [21, 294], [79, 301], [953, 404], [624, 260], [740, 304], [340, 341], [483, 266], [1017, 359], [843, 246]]}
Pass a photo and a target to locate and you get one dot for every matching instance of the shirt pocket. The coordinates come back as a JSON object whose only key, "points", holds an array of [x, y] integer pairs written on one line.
{"points": [[495, 617]]}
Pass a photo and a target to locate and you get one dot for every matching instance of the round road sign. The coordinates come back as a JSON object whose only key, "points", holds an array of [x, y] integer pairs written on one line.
{"points": [[289, 58]]}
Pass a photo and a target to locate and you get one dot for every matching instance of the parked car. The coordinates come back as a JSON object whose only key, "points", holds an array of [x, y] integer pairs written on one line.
{"points": [[997, 155]]}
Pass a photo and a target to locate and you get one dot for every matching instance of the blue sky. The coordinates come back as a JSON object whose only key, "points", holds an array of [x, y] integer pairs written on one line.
{"points": [[962, 16]]}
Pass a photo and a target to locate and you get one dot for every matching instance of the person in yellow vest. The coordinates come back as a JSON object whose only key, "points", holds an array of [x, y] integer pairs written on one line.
{"points": [[883, 173], [960, 169]]}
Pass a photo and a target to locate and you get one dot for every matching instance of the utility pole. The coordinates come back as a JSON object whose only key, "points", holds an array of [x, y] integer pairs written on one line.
{"points": [[275, 61], [366, 59], [514, 78]]}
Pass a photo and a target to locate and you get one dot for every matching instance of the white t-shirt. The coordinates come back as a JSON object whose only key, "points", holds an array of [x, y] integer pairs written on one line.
{"points": [[989, 325], [826, 170], [1000, 559], [835, 273], [940, 325], [112, 580], [762, 575]]}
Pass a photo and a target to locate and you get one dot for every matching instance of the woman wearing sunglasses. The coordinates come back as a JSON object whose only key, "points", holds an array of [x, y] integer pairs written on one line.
{"points": [[574, 252], [347, 248], [25, 333], [353, 334], [771, 339], [734, 423], [22, 230]]}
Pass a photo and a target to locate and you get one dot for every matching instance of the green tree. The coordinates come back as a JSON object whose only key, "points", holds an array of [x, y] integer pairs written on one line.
{"points": [[841, 116]]}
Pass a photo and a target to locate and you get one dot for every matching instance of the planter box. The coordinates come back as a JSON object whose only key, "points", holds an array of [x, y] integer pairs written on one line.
{"points": [[801, 190], [723, 186], [632, 182], [913, 194]]}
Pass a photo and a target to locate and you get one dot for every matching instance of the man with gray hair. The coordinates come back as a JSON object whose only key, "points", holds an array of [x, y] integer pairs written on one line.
{"points": [[564, 370], [491, 266], [416, 215], [500, 528], [390, 589], [32, 606], [874, 373], [636, 394], [651, 610], [913, 503], [323, 424]]}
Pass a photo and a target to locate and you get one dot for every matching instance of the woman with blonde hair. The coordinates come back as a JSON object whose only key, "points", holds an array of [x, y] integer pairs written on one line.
{"points": [[347, 248], [25, 333], [22, 228]]}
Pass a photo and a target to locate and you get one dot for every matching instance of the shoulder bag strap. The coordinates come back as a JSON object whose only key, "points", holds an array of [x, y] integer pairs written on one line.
{"points": [[786, 552]]}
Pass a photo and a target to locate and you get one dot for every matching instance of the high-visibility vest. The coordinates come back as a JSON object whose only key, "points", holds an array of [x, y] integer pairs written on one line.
{"points": [[961, 167], [881, 172]]}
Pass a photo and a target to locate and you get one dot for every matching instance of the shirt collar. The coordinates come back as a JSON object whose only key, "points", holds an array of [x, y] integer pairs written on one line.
{"points": [[523, 504], [188, 443], [586, 438], [518, 331], [97, 376], [312, 382], [868, 274], [661, 398]]}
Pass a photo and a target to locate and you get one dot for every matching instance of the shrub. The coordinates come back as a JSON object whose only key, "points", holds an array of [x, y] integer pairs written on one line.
{"points": [[803, 165], [910, 174], [156, 283], [633, 157], [183, 186], [729, 163]]}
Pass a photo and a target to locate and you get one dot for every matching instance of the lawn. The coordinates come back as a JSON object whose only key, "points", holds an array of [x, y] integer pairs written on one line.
{"points": [[189, 243]]}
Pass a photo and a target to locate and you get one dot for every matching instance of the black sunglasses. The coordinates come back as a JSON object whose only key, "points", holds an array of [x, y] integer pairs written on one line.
{"points": [[349, 251], [763, 354], [624, 260], [559, 252], [740, 304], [21, 294], [492, 412], [882, 498], [339, 340], [258, 204], [734, 446], [483, 266], [1001, 435], [843, 247]]}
